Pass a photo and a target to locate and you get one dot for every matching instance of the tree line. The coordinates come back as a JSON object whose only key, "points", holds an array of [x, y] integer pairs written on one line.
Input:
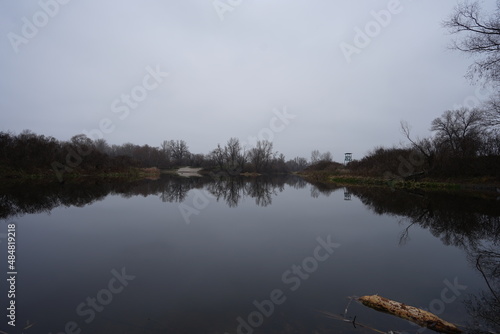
{"points": [[463, 144], [31, 153]]}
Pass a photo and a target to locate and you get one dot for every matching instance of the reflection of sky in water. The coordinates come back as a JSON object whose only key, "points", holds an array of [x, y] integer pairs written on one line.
{"points": [[200, 277]]}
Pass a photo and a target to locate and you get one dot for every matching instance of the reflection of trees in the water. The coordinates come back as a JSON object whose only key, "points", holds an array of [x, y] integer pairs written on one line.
{"points": [[232, 189], [484, 307], [296, 182], [228, 189], [175, 189], [469, 222], [457, 219], [262, 188], [322, 189], [19, 199]]}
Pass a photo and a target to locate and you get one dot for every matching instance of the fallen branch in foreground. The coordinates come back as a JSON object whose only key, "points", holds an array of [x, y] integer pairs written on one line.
{"points": [[413, 314]]}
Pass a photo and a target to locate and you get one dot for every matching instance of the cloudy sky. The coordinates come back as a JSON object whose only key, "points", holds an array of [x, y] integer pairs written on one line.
{"points": [[332, 75]]}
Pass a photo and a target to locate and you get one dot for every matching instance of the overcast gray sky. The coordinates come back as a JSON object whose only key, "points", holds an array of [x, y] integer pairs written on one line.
{"points": [[345, 71]]}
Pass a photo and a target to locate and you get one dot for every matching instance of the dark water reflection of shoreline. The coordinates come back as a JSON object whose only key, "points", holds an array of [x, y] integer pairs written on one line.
{"points": [[36, 197], [468, 222], [463, 220]]}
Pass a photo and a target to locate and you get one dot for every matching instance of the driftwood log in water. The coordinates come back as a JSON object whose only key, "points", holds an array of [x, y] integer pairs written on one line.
{"points": [[413, 314]]}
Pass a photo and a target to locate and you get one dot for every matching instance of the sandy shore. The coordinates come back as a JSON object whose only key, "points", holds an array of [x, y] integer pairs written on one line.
{"points": [[189, 171]]}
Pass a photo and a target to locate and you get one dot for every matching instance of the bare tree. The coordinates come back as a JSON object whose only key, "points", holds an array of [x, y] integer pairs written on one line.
{"points": [[102, 146], [219, 157], [198, 160], [490, 142], [166, 152], [235, 159], [425, 146], [492, 112], [279, 163], [231, 158], [180, 151], [81, 140], [297, 164], [327, 156], [481, 38], [261, 155], [82, 144], [165, 147], [315, 156], [460, 130]]}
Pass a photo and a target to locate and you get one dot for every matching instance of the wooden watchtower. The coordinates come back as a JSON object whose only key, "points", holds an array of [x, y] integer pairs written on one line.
{"points": [[348, 158]]}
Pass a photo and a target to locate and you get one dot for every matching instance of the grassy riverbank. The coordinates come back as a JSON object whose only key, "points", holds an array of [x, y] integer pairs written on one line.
{"points": [[8, 175], [480, 183]]}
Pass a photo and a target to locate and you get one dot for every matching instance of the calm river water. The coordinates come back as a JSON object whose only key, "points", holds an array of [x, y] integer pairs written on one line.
{"points": [[245, 255]]}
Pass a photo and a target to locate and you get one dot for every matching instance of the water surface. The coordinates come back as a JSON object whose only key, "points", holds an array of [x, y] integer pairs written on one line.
{"points": [[243, 255]]}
